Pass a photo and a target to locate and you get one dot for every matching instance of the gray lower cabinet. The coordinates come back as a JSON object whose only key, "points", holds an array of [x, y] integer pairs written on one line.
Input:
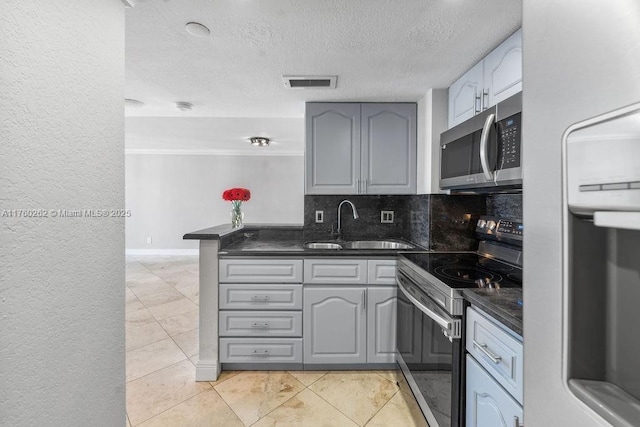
{"points": [[381, 324], [261, 323], [335, 325], [488, 404], [260, 317], [261, 350], [349, 324], [494, 373]]}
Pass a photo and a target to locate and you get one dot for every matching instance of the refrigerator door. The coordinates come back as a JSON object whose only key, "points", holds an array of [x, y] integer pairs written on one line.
{"points": [[580, 60]]}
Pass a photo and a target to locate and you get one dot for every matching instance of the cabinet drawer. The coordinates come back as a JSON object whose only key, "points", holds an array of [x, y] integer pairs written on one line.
{"points": [[260, 271], [261, 350], [488, 404], [261, 324], [338, 271], [260, 297], [496, 350], [381, 272]]}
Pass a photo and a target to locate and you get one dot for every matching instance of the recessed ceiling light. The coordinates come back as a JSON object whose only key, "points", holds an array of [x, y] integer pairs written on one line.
{"points": [[260, 141], [133, 103], [184, 106], [197, 30]]}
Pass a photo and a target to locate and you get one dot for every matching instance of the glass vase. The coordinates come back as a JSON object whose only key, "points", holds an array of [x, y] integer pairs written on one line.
{"points": [[236, 214]]}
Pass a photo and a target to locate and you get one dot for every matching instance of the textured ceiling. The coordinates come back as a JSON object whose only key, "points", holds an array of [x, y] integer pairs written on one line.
{"points": [[381, 50]]}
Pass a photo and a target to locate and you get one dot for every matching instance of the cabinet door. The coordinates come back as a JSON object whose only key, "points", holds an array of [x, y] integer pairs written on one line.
{"points": [[332, 156], [334, 325], [488, 404], [389, 148], [381, 324], [503, 70], [464, 96]]}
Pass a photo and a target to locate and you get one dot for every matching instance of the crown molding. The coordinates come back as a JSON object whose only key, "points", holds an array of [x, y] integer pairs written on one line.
{"points": [[182, 152]]}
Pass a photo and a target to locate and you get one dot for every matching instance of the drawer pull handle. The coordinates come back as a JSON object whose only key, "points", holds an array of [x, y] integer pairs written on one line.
{"points": [[260, 326], [516, 422], [483, 348], [258, 298], [261, 353]]}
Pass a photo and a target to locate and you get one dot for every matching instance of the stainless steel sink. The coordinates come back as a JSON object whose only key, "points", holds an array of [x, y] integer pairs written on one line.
{"points": [[376, 244], [322, 245]]}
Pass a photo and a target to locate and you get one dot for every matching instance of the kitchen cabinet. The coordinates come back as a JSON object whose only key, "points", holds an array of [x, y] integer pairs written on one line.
{"points": [[360, 148], [381, 324], [260, 317], [502, 71], [326, 271], [488, 405], [335, 325], [494, 378], [345, 323], [497, 350], [495, 78], [464, 95]]}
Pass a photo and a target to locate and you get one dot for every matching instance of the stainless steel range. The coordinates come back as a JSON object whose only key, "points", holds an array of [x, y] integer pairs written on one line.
{"points": [[430, 309]]}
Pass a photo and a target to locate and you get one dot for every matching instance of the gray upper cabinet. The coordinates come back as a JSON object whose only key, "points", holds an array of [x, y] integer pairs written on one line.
{"points": [[464, 96], [332, 154], [354, 148], [503, 70], [495, 78], [388, 149]]}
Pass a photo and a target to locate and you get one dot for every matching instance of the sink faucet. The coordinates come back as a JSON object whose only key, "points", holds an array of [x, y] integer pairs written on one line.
{"points": [[355, 214]]}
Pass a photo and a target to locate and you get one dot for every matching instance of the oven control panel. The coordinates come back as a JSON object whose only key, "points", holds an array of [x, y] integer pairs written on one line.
{"points": [[500, 228]]}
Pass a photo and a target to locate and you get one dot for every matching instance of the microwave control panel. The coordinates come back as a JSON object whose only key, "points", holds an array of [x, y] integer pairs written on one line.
{"points": [[509, 131]]}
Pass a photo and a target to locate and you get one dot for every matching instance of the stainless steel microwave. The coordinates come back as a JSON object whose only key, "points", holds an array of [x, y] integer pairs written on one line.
{"points": [[485, 152]]}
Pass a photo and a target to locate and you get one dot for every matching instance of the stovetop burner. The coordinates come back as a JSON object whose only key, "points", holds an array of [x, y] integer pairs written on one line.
{"points": [[467, 270], [466, 274]]}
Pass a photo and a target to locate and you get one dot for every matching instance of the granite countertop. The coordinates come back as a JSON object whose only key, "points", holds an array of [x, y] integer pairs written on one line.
{"points": [[260, 247], [220, 231], [502, 304], [279, 240]]}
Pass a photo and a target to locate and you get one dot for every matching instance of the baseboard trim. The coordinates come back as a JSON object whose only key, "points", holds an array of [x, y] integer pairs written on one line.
{"points": [[207, 370], [162, 251]]}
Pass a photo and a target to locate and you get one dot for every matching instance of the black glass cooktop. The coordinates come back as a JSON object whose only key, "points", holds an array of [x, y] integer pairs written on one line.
{"points": [[467, 270]]}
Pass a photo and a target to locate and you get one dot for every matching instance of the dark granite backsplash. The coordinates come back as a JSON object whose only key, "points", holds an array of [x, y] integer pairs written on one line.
{"points": [[453, 220], [505, 205], [435, 221], [367, 226]]}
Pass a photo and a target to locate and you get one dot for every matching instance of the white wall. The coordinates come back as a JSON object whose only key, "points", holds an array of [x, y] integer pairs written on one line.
{"points": [[432, 121], [170, 195], [62, 279], [580, 60]]}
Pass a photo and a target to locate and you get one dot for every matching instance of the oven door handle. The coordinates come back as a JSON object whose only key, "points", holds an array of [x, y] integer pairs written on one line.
{"points": [[450, 326], [484, 146]]}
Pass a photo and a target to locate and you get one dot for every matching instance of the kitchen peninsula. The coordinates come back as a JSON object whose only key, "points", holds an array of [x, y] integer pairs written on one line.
{"points": [[272, 243], [279, 264]]}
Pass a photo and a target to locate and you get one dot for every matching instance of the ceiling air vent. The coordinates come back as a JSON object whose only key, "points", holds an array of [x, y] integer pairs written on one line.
{"points": [[310, 82]]}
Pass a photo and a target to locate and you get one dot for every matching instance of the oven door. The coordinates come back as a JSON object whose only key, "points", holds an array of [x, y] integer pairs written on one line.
{"points": [[429, 354]]}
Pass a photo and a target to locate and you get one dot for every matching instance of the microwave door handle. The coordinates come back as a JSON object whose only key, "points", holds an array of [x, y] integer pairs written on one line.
{"points": [[484, 146]]}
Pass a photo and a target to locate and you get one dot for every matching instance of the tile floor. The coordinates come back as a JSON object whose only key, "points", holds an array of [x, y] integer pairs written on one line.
{"points": [[161, 342]]}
